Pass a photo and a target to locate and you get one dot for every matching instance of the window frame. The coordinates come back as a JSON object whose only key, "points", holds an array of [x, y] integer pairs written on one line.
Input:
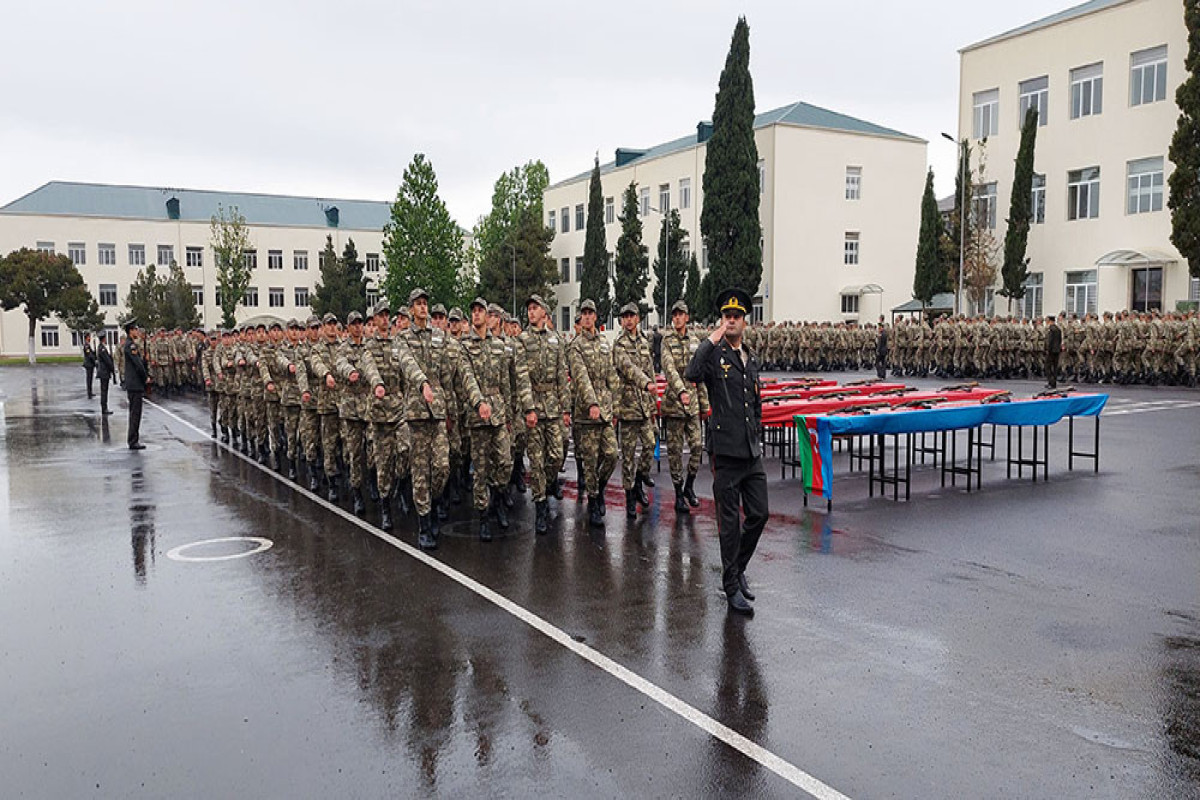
{"points": [[164, 249], [685, 193], [852, 248], [580, 216], [137, 255], [564, 220], [1072, 288], [372, 262], [1081, 187], [301, 300], [1089, 103], [250, 259], [197, 295], [250, 297], [197, 252], [664, 198], [985, 113], [854, 300], [106, 254], [273, 293], [77, 252], [1038, 200], [552, 217], [1031, 305], [48, 331], [300, 260], [610, 210], [853, 183], [644, 200], [1153, 65], [107, 288], [564, 270], [274, 259], [1030, 96], [1147, 184]]}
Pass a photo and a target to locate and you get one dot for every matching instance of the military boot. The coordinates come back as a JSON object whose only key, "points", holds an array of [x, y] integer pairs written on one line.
{"points": [[404, 496], [224, 435], [385, 515], [439, 504], [595, 518], [631, 501], [333, 489], [360, 507], [556, 487], [485, 528], [499, 507], [580, 485], [542, 523], [291, 462], [425, 538], [373, 485], [646, 479], [314, 479], [639, 491], [689, 491], [681, 506], [517, 479], [452, 490]]}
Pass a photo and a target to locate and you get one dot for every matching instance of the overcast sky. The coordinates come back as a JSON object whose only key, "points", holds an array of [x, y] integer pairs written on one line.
{"points": [[332, 99]]}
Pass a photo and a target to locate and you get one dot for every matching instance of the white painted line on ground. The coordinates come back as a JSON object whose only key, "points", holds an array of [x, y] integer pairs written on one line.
{"points": [[784, 769], [1147, 410]]}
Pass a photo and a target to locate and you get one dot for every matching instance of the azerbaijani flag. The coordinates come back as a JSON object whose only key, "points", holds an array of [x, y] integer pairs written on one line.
{"points": [[812, 468]]}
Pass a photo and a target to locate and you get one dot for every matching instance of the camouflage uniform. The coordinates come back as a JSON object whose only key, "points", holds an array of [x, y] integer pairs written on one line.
{"points": [[635, 409], [593, 382], [293, 384], [682, 422], [546, 361], [387, 412], [321, 360], [353, 357]]}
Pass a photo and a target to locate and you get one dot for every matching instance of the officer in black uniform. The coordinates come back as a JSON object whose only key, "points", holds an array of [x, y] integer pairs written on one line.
{"points": [[89, 362], [105, 370], [730, 371], [135, 382]]}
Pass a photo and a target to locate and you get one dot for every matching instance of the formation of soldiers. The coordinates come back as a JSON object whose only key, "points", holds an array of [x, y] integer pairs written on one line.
{"points": [[424, 407], [172, 358], [1128, 347]]}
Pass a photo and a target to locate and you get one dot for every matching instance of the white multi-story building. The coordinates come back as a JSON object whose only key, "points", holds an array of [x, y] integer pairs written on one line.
{"points": [[840, 208], [1103, 77], [113, 232]]}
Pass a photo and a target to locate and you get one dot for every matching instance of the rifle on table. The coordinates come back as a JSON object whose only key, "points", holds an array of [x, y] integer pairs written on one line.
{"points": [[928, 402], [1051, 393], [863, 382], [998, 397], [860, 408], [960, 387]]}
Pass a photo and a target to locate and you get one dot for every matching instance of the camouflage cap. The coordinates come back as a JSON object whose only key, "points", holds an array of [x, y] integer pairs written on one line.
{"points": [[353, 317], [456, 314], [537, 298], [330, 318], [493, 308], [313, 321], [587, 305], [438, 309], [416, 294], [382, 307], [403, 312], [630, 308], [262, 326], [478, 301], [276, 324], [293, 324], [679, 305]]}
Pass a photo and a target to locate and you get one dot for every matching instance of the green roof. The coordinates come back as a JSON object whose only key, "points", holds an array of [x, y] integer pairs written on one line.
{"points": [[1083, 9], [798, 114], [61, 198]]}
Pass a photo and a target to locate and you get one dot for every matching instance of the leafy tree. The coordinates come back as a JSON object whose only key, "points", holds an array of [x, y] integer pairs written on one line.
{"points": [[422, 243], [953, 250], [692, 293], [729, 221], [527, 257], [80, 312], [930, 277], [633, 259], [41, 282], [979, 267], [331, 292], [230, 239], [145, 300], [594, 280], [1184, 182], [1014, 271], [355, 285], [178, 308], [509, 239], [670, 265]]}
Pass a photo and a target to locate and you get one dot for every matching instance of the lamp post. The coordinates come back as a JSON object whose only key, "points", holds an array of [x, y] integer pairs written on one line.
{"points": [[662, 318], [962, 216]]}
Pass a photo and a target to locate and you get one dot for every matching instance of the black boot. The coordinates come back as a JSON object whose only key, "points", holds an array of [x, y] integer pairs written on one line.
{"points": [[333, 489], [373, 485], [499, 507], [214, 425], [631, 501], [404, 496], [579, 482], [439, 503], [542, 523], [556, 488], [224, 435], [452, 489], [278, 460], [681, 506], [518, 475], [639, 491], [425, 538], [595, 517], [314, 479], [647, 480], [360, 507], [485, 529], [689, 491], [385, 516], [291, 469]]}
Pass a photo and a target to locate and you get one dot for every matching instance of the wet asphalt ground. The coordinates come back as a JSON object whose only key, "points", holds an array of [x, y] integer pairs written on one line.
{"points": [[1026, 640]]}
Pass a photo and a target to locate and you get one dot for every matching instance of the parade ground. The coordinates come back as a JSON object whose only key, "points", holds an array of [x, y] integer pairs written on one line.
{"points": [[1029, 639]]}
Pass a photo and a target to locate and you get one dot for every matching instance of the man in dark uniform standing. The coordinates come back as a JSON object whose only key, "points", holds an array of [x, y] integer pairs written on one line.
{"points": [[881, 349], [106, 370], [1053, 351], [89, 361], [725, 365], [135, 381]]}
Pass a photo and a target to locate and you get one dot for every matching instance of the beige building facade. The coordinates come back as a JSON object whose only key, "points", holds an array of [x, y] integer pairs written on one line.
{"points": [[113, 232], [839, 204], [1103, 77]]}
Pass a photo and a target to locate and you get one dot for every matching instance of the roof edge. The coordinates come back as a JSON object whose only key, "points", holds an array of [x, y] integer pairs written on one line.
{"points": [[1046, 22]]}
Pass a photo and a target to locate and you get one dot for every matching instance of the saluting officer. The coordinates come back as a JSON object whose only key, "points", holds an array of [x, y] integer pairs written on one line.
{"points": [[729, 370]]}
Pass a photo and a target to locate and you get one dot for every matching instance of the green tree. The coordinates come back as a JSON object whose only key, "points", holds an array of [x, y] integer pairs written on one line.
{"points": [[930, 275], [670, 265], [953, 250], [524, 262], [692, 294], [422, 243], [1014, 271], [633, 257], [1184, 183], [178, 308], [80, 312], [980, 267], [332, 294], [593, 282], [507, 240], [355, 285], [145, 299], [230, 239], [729, 221], [41, 282]]}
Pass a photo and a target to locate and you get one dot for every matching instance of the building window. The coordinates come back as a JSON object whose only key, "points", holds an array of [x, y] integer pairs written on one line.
{"points": [[301, 296], [77, 252], [111, 335], [137, 255], [1030, 304], [1145, 186], [250, 297], [76, 339], [197, 295], [372, 262], [644, 196], [986, 118], [580, 219], [664, 197], [1147, 289], [553, 225], [1083, 193], [579, 268], [275, 297], [1148, 76], [1035, 94], [849, 304], [762, 176], [756, 310], [853, 183], [564, 314], [194, 256], [1087, 90], [1194, 290], [372, 296], [610, 211], [685, 193], [166, 255], [851, 248], [565, 274], [106, 255], [1081, 292], [217, 297], [565, 220], [299, 259], [250, 259], [274, 259], [1038, 206], [108, 294], [49, 336], [985, 204], [45, 247]]}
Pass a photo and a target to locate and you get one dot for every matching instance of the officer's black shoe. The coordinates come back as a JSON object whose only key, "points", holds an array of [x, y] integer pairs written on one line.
{"points": [[639, 492], [689, 491], [556, 488], [291, 469], [631, 501], [542, 523], [425, 537], [681, 506], [499, 504], [373, 486], [333, 492], [595, 518], [646, 479], [385, 517], [738, 604], [485, 528], [360, 507], [745, 587]]}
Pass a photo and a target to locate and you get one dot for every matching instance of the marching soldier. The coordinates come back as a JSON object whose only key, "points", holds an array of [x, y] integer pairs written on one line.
{"points": [[593, 382], [271, 374], [290, 365], [546, 360], [635, 410], [321, 363], [683, 405], [356, 372], [386, 412]]}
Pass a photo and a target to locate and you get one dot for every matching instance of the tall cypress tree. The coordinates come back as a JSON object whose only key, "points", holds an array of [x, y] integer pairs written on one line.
{"points": [[930, 277], [593, 282], [1014, 271], [1184, 183], [729, 221], [670, 259], [633, 257], [953, 252], [692, 293]]}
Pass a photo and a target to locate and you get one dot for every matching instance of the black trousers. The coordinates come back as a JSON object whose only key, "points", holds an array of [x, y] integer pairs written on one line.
{"points": [[1052, 370], [103, 395], [135, 416], [738, 484], [91, 371], [880, 367]]}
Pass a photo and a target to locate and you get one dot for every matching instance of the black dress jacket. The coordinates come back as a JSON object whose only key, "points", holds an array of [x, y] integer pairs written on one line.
{"points": [[135, 367], [733, 394]]}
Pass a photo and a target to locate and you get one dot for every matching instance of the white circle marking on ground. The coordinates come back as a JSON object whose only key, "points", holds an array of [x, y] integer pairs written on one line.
{"points": [[176, 554]]}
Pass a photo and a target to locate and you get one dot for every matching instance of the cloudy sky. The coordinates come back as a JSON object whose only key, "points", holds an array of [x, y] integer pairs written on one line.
{"points": [[332, 99]]}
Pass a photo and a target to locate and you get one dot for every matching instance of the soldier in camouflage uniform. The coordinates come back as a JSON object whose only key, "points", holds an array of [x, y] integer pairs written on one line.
{"points": [[309, 429], [457, 325], [289, 363], [459, 444], [520, 435], [355, 369], [684, 404], [635, 409], [210, 373], [387, 412], [321, 361], [545, 356], [593, 383], [271, 376]]}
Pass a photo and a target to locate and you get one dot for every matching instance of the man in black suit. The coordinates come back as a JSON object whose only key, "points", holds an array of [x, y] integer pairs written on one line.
{"points": [[135, 381], [1053, 351], [881, 350], [729, 370], [89, 362], [105, 370]]}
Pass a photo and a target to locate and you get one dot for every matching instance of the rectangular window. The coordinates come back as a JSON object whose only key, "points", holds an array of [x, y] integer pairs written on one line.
{"points": [[664, 197], [986, 117], [1146, 294], [77, 252], [756, 310], [274, 259], [610, 211], [197, 295], [111, 335], [137, 255], [372, 296], [76, 339], [1087, 90], [985, 204], [564, 314], [217, 297], [565, 220], [194, 256], [299, 259], [45, 247], [580, 218], [106, 255], [1035, 94], [275, 297], [1145, 186], [250, 297], [372, 262], [553, 221], [853, 183], [851, 248], [166, 254], [301, 297], [1030, 304], [644, 194], [1148, 76], [685, 193], [1194, 290], [762, 176], [1038, 207], [250, 259], [108, 294], [578, 268], [1083, 193], [565, 273], [49, 336], [1081, 292], [849, 304]]}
